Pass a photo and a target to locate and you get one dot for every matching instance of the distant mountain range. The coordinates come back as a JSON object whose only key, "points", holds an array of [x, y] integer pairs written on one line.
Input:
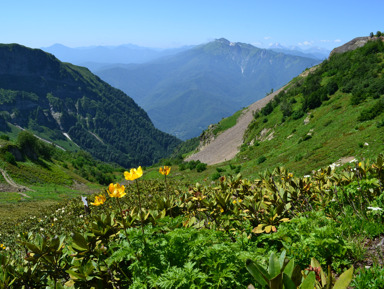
{"points": [[313, 52], [100, 57], [97, 57], [185, 92], [70, 106]]}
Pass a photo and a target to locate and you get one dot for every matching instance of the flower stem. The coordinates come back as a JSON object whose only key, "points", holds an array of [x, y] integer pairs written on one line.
{"points": [[140, 212]]}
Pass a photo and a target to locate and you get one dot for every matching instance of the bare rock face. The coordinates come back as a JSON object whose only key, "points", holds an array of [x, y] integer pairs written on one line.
{"points": [[351, 45], [207, 136]]}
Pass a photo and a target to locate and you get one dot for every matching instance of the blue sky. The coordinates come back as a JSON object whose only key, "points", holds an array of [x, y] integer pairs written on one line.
{"points": [[174, 23]]}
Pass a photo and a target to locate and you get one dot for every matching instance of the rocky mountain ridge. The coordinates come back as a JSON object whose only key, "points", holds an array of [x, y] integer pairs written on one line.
{"points": [[186, 92]]}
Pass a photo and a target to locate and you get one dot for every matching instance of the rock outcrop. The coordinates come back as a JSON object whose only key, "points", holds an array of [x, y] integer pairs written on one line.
{"points": [[351, 45]]}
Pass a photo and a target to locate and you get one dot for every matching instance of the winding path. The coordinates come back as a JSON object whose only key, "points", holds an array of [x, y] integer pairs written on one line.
{"points": [[11, 182], [226, 145]]}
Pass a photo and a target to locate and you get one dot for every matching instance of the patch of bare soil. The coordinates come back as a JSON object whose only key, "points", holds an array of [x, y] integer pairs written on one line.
{"points": [[227, 144], [374, 252], [6, 188], [83, 188], [11, 186]]}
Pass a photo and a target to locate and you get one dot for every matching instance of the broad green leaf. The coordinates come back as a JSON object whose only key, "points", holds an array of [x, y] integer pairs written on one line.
{"points": [[296, 275], [75, 275], [79, 242], [289, 267], [33, 248], [88, 268], [260, 275], [309, 281], [344, 279], [288, 283], [274, 268], [316, 264], [277, 282], [282, 258]]}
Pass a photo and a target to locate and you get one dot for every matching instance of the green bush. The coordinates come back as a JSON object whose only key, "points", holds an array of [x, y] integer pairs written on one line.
{"points": [[314, 235], [201, 167], [332, 87], [369, 278], [261, 159], [192, 164], [373, 111], [215, 176], [4, 137], [380, 123], [10, 158], [182, 166], [297, 114], [266, 110]]}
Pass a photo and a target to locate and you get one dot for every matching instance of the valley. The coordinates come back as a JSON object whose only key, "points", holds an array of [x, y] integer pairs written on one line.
{"points": [[274, 193]]}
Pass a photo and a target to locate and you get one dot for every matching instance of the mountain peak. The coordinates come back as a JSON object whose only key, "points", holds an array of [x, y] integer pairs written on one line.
{"points": [[223, 41]]}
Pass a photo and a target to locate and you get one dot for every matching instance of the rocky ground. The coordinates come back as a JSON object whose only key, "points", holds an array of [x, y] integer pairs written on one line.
{"points": [[227, 144]]}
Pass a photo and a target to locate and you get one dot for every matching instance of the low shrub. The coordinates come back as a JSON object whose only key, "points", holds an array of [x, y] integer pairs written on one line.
{"points": [[261, 159], [201, 167]]}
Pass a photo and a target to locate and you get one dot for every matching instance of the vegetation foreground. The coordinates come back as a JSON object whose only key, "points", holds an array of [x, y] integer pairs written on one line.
{"points": [[278, 230], [155, 229]]}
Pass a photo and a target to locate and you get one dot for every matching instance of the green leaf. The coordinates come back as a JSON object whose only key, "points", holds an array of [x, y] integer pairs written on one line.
{"points": [[274, 268], [258, 274], [277, 282], [75, 275], [316, 264], [282, 259], [288, 283], [309, 281], [296, 275], [33, 248], [344, 279], [79, 242], [289, 268]]}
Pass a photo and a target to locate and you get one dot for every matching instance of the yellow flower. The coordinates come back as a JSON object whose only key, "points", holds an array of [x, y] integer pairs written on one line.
{"points": [[116, 191], [99, 200], [165, 170], [133, 174]]}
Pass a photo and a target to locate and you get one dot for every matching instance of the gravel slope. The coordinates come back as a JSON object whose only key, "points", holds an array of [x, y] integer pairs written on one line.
{"points": [[226, 145]]}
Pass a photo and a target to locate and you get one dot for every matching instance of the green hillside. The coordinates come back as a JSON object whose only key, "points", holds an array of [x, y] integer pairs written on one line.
{"points": [[331, 113], [70, 106], [36, 175], [186, 92], [273, 228]]}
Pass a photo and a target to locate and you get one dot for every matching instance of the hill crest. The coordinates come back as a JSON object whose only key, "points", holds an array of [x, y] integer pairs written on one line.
{"points": [[55, 99]]}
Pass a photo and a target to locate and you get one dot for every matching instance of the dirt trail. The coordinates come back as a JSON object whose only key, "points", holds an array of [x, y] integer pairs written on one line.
{"points": [[20, 188], [226, 145]]}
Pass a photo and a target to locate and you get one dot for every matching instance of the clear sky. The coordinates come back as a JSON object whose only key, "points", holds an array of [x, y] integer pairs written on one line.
{"points": [[174, 23]]}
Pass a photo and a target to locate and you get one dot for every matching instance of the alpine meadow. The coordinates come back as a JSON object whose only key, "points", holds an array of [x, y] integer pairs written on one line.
{"points": [[220, 165]]}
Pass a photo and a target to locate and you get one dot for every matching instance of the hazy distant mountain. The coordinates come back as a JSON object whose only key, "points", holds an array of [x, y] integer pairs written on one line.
{"points": [[186, 92], [67, 103], [313, 52], [95, 57]]}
